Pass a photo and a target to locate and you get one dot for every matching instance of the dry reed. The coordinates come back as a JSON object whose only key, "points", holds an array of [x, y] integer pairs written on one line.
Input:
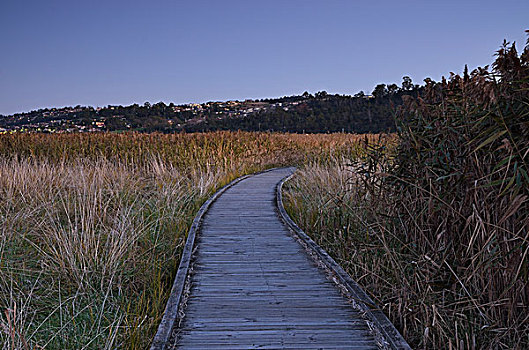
{"points": [[437, 231], [91, 226]]}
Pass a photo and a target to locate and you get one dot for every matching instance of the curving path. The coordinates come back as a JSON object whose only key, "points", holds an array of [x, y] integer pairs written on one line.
{"points": [[253, 286]]}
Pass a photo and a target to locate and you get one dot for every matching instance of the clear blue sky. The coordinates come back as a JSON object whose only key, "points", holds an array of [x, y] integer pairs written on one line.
{"points": [[61, 53]]}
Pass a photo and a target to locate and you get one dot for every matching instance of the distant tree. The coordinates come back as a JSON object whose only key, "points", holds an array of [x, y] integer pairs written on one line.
{"points": [[407, 84], [428, 81], [393, 89], [359, 94], [380, 91], [321, 94]]}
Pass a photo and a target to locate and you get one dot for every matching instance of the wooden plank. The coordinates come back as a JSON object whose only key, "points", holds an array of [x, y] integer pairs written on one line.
{"points": [[279, 345], [280, 295], [256, 314], [257, 299], [309, 336], [271, 320], [322, 290], [274, 343], [262, 273], [309, 325]]}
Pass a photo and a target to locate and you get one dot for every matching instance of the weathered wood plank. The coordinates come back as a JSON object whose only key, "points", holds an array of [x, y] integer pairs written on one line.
{"points": [[273, 325], [277, 345]]}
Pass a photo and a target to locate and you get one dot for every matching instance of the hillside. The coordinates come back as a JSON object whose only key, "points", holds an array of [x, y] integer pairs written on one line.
{"points": [[305, 113]]}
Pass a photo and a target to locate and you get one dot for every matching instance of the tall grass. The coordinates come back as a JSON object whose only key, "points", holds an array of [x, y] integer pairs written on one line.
{"points": [[437, 231], [92, 226], [86, 249]]}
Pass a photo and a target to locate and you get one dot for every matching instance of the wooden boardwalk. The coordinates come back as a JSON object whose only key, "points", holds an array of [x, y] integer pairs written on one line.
{"points": [[254, 286]]}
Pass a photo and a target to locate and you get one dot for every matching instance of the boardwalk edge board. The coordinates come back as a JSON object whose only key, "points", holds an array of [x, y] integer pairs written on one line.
{"points": [[170, 317], [379, 320]]}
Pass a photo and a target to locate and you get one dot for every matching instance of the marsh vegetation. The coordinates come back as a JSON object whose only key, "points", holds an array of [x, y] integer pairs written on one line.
{"points": [[92, 226]]}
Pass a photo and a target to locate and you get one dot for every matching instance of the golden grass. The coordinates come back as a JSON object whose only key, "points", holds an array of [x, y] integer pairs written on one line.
{"points": [[91, 226]]}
